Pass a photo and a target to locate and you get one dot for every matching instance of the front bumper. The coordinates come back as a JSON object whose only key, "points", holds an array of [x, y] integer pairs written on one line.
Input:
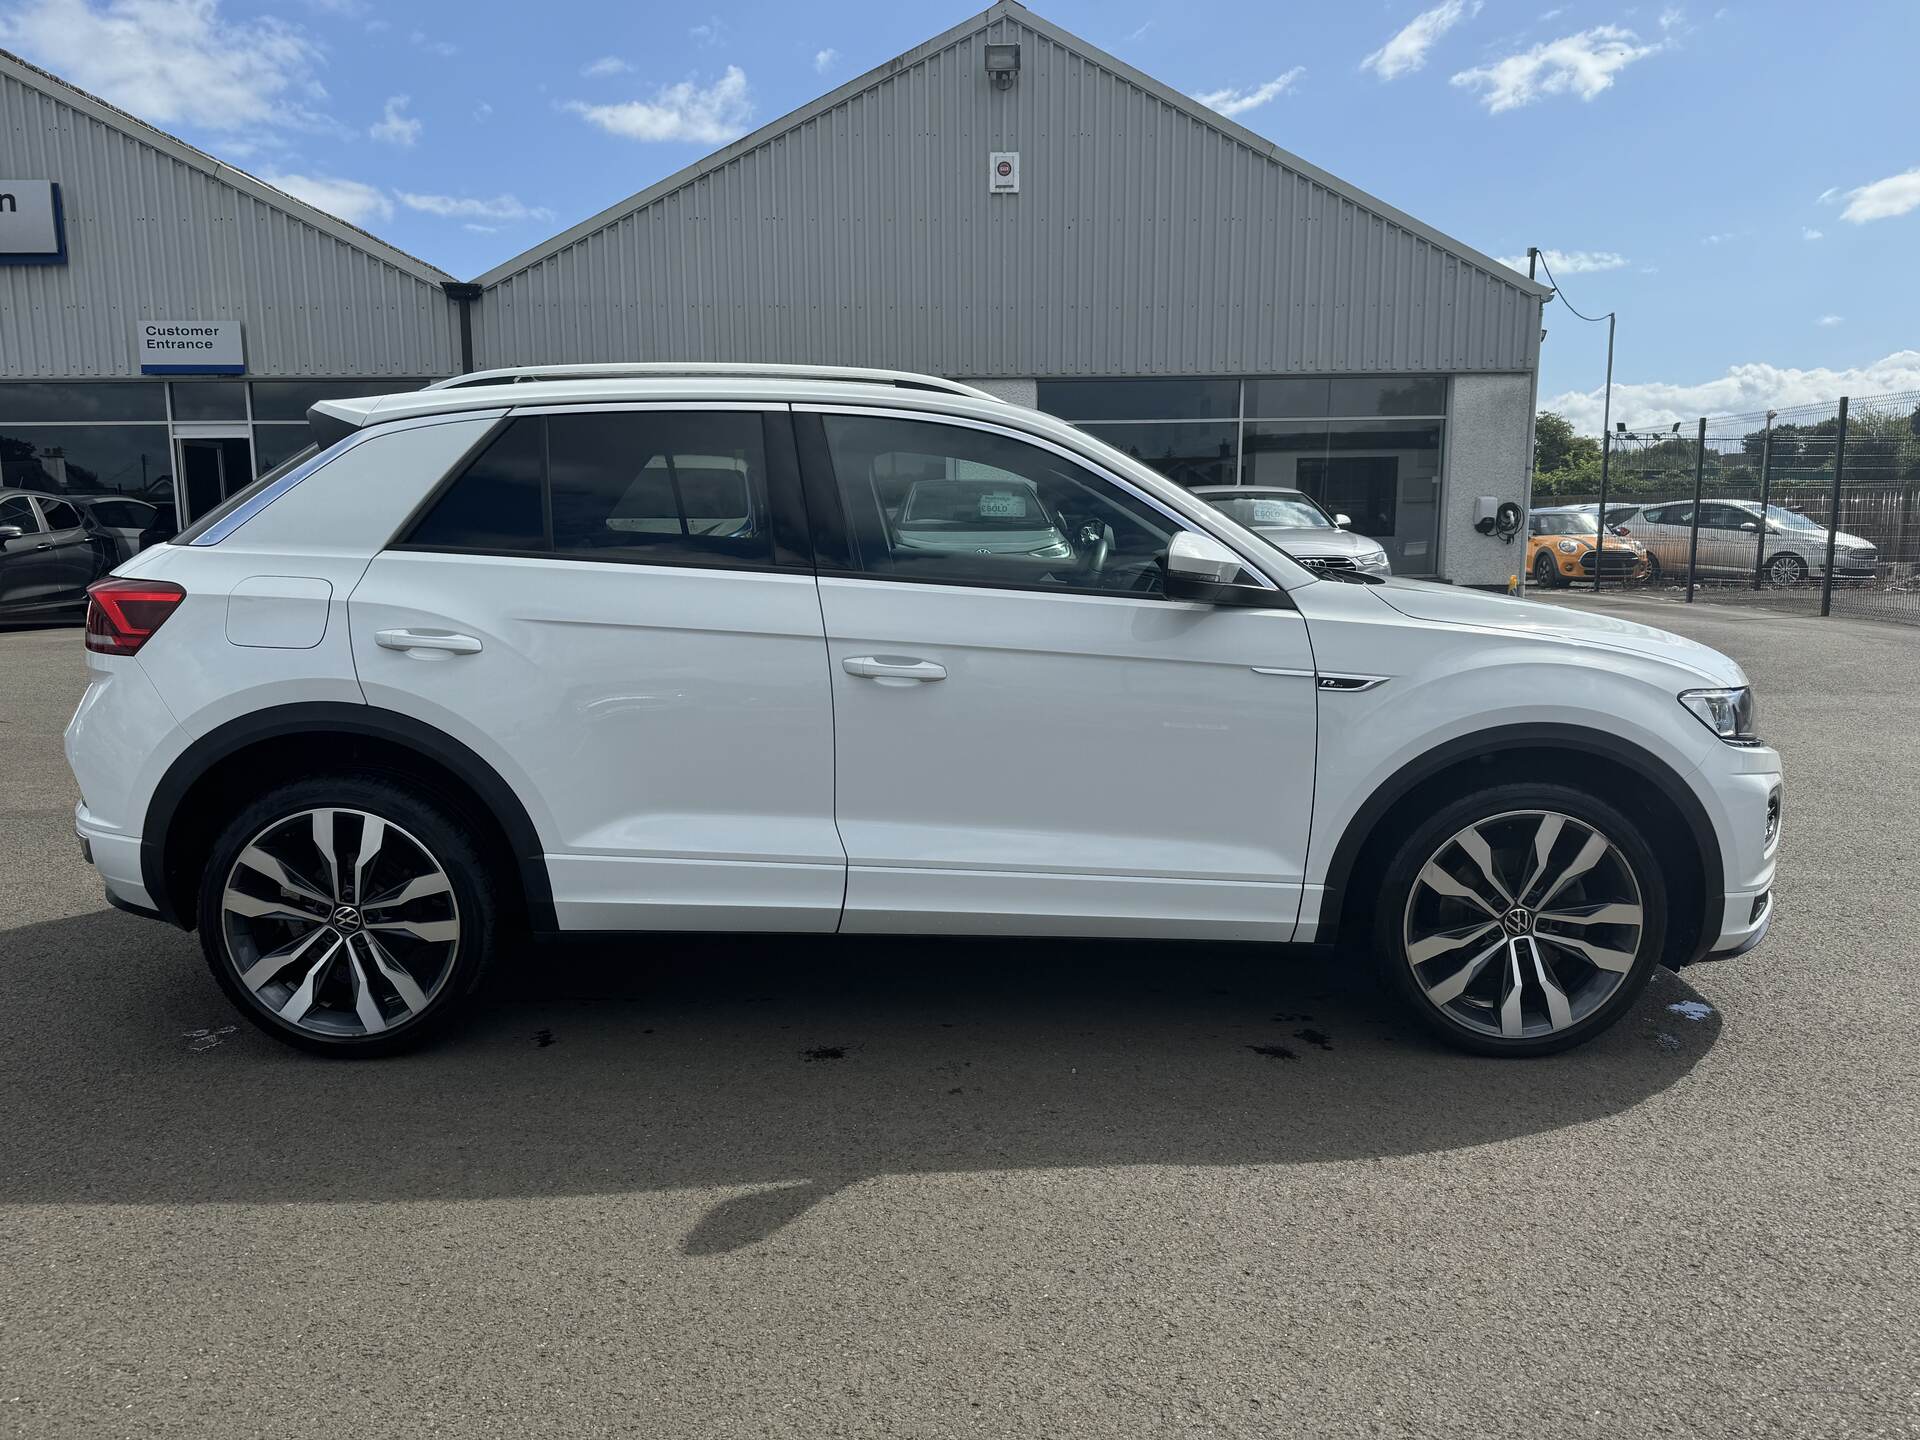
{"points": [[1747, 805]]}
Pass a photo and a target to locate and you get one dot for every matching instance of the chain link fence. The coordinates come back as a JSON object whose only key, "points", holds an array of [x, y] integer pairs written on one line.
{"points": [[1814, 509]]}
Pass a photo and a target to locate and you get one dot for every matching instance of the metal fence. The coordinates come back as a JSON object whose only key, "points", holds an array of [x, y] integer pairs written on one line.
{"points": [[1814, 509]]}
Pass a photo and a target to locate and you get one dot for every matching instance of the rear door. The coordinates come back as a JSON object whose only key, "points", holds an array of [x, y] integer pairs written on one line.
{"points": [[1031, 739], [616, 606]]}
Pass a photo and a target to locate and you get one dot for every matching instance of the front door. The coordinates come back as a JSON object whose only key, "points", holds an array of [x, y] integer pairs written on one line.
{"points": [[1030, 739], [74, 558], [615, 607]]}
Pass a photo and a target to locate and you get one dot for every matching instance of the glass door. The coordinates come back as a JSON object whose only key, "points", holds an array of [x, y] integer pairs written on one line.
{"points": [[210, 467]]}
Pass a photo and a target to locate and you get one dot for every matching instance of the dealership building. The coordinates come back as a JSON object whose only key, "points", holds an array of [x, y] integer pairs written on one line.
{"points": [[1005, 204]]}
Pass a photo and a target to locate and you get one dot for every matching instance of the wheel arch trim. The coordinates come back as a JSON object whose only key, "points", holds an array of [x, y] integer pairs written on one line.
{"points": [[330, 717], [1529, 735]]}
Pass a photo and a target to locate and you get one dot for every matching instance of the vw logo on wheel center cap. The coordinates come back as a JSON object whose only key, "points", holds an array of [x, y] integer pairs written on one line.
{"points": [[1517, 921], [346, 919]]}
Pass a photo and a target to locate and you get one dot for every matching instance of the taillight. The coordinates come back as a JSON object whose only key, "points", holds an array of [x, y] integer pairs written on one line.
{"points": [[123, 614]]}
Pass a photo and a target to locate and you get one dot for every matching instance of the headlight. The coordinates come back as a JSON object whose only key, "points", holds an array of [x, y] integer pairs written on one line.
{"points": [[1059, 550], [1728, 713], [1376, 561], [1567, 547]]}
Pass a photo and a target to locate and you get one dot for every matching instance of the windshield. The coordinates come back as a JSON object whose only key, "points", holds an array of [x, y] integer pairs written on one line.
{"points": [[1272, 512], [974, 505], [1790, 520], [1571, 523]]}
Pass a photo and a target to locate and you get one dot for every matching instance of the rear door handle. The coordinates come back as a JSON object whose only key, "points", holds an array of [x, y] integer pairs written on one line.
{"points": [[427, 640], [893, 667]]}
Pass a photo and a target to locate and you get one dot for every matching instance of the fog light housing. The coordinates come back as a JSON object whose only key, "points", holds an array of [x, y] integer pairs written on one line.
{"points": [[1773, 816]]}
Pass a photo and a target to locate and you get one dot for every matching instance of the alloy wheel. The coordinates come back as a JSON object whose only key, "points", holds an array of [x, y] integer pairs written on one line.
{"points": [[1523, 924], [339, 922], [1785, 570]]}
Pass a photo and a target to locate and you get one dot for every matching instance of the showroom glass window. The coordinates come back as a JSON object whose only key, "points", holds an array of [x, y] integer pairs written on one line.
{"points": [[1368, 446]]}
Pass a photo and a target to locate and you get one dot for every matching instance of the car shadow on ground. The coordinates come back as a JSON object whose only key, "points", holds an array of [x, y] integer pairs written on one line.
{"points": [[793, 1067]]}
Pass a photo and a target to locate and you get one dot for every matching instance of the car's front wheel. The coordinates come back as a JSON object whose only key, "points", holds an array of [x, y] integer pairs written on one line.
{"points": [[1785, 570], [1545, 573], [1521, 920], [346, 915]]}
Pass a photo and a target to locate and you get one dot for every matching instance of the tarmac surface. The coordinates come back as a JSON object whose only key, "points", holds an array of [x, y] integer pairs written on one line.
{"points": [[786, 1188]]}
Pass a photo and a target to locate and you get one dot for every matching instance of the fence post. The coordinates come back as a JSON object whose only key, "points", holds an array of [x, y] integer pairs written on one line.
{"points": [[1600, 520], [1766, 479], [1693, 534], [1833, 512]]}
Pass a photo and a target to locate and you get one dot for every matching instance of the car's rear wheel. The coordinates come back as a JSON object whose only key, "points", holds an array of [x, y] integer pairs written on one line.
{"points": [[1521, 920], [347, 916], [1785, 570]]}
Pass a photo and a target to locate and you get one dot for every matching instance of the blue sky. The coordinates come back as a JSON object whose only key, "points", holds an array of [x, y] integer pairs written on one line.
{"points": [[1741, 180]]}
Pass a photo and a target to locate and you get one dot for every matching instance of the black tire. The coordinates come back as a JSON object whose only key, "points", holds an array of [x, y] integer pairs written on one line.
{"points": [[1396, 896], [1546, 574], [1654, 576], [414, 820], [1785, 570]]}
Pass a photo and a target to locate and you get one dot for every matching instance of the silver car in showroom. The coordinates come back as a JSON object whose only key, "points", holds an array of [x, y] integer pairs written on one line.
{"points": [[1294, 521]]}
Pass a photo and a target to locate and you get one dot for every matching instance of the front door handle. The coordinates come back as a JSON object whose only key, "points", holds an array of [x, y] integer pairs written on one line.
{"points": [[44, 545], [893, 667], [442, 640]]}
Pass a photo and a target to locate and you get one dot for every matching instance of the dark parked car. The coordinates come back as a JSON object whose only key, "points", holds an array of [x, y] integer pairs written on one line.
{"points": [[48, 556]]}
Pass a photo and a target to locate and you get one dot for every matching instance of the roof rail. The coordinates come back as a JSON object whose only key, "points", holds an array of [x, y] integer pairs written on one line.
{"points": [[670, 369]]}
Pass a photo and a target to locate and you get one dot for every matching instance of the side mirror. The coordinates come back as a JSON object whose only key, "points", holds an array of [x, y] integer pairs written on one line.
{"points": [[10, 532], [1199, 568], [1341, 522]]}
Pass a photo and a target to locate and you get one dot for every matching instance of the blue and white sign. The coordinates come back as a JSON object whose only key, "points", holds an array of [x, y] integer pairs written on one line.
{"points": [[190, 347], [32, 230]]}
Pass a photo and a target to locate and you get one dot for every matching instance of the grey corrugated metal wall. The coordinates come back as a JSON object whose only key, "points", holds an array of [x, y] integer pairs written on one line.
{"points": [[1144, 240], [152, 237]]}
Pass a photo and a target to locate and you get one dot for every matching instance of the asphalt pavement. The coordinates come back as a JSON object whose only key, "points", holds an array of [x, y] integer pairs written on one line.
{"points": [[926, 1188]]}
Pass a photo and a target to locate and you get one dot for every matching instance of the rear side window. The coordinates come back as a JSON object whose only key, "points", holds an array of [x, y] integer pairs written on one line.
{"points": [[60, 515], [661, 487]]}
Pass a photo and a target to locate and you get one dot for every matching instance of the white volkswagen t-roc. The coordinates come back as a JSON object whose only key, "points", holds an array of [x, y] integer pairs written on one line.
{"points": [[761, 648]]}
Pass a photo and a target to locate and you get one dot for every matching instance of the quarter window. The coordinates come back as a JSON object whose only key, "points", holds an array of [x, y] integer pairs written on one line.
{"points": [[949, 504]]}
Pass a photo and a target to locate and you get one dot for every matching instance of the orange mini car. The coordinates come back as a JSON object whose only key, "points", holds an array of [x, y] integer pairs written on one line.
{"points": [[1562, 543]]}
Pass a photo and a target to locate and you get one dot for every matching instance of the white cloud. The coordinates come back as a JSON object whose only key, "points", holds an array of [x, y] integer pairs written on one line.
{"points": [[481, 229], [442, 48], [1407, 51], [1584, 65], [604, 66], [173, 62], [1138, 31], [1827, 196], [1238, 102], [1829, 321], [1572, 262], [1807, 232], [483, 111], [711, 32], [710, 116], [1883, 199], [1718, 238], [1671, 16], [352, 200], [465, 207], [824, 60], [1743, 390], [395, 126]]}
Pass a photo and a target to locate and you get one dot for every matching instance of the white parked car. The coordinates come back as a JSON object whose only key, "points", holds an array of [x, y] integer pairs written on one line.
{"points": [[1294, 521], [526, 657], [1730, 542]]}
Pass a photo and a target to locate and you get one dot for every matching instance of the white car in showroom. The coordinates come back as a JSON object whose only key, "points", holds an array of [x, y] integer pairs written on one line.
{"points": [[502, 658]]}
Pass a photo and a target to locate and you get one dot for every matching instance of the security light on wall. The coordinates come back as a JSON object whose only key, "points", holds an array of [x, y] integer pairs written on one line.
{"points": [[1003, 63]]}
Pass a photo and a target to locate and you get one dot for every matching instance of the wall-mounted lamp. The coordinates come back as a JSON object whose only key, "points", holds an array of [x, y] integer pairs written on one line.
{"points": [[1003, 63]]}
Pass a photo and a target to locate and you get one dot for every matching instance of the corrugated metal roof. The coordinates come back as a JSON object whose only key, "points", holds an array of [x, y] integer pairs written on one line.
{"points": [[1151, 235], [157, 230]]}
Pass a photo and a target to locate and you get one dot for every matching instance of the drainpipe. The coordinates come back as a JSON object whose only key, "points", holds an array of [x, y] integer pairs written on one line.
{"points": [[463, 293]]}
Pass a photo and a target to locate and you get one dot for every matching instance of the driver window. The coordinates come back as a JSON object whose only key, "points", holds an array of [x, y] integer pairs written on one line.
{"points": [[946, 503], [18, 510]]}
